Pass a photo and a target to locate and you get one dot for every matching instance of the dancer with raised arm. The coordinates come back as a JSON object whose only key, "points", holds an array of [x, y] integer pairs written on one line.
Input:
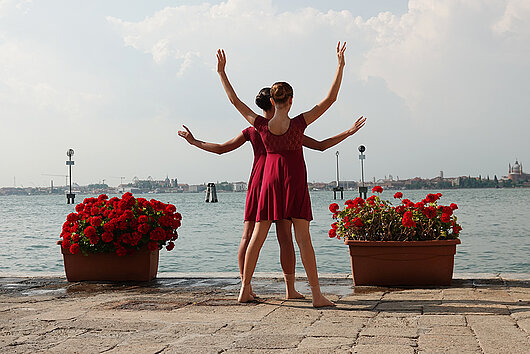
{"points": [[284, 193], [283, 227]]}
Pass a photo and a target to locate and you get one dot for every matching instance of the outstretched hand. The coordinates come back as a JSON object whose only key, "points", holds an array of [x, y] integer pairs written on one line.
{"points": [[221, 60], [359, 123], [186, 135], [340, 53]]}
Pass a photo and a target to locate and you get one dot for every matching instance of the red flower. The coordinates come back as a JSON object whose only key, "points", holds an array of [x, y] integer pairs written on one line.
{"points": [[332, 233], [358, 222], [90, 231], [79, 207], [407, 203], [398, 195], [170, 246], [65, 243], [377, 189], [419, 205], [153, 246], [95, 221], [429, 212], [171, 209], [431, 198], [121, 251], [447, 210], [107, 237], [453, 206], [143, 219], [74, 248], [358, 202], [408, 222], [371, 199], [333, 207], [334, 226], [72, 217], [445, 218]]}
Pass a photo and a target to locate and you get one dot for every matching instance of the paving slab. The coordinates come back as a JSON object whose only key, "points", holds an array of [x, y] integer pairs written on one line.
{"points": [[190, 313]]}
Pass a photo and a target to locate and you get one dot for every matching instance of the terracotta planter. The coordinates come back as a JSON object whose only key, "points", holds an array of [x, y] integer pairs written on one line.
{"points": [[395, 263], [139, 266]]}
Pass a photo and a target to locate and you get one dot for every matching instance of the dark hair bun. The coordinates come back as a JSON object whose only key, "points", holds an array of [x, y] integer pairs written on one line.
{"points": [[263, 99]]}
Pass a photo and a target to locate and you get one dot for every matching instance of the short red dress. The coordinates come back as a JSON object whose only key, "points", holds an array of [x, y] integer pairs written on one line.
{"points": [[254, 182], [284, 193]]}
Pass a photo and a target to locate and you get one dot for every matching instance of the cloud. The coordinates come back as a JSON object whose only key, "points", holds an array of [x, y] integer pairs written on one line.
{"points": [[515, 20], [188, 34], [441, 72], [457, 66]]}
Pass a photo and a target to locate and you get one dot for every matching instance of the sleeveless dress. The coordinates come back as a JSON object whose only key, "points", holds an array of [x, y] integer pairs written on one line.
{"points": [[284, 193], [254, 182]]}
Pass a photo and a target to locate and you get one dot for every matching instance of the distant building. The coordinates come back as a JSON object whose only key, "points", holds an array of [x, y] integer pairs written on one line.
{"points": [[239, 186], [516, 174]]}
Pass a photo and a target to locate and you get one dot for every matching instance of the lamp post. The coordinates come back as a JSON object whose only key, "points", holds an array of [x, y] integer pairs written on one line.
{"points": [[362, 189], [70, 196], [337, 188]]}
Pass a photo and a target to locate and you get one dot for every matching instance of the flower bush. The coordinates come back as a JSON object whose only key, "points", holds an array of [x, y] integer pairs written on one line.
{"points": [[121, 226], [375, 219]]}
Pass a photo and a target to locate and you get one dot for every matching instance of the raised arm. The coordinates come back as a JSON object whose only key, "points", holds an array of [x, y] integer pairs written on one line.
{"points": [[319, 109], [213, 147], [245, 111], [334, 140]]}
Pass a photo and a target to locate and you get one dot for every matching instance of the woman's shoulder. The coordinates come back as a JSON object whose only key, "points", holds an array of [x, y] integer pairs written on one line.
{"points": [[260, 122], [300, 120], [247, 133]]}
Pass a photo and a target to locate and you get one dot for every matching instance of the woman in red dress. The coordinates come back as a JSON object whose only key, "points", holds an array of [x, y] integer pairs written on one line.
{"points": [[283, 227], [284, 193]]}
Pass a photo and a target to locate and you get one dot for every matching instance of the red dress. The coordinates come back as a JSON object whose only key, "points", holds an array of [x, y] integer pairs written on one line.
{"points": [[254, 183], [284, 192]]}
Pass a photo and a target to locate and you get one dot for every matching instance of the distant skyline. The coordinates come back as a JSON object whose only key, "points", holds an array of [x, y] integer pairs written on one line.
{"points": [[444, 85]]}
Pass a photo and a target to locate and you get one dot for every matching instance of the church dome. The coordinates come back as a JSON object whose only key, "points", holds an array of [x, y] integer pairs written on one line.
{"points": [[516, 168]]}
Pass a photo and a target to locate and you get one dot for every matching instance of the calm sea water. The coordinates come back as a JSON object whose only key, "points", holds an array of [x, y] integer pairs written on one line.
{"points": [[495, 236]]}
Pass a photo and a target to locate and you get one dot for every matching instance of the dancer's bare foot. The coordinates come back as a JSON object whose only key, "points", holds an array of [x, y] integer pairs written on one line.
{"points": [[293, 294], [321, 301], [245, 294]]}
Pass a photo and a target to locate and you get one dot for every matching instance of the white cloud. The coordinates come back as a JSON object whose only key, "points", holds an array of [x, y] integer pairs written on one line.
{"points": [[515, 19]]}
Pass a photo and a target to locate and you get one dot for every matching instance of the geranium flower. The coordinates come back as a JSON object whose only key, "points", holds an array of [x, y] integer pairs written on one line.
{"points": [[333, 207], [122, 226]]}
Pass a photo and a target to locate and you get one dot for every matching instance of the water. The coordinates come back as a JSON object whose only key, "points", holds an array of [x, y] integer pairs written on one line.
{"points": [[495, 236]]}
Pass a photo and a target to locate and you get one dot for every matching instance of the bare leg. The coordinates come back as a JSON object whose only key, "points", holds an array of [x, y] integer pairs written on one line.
{"points": [[303, 239], [251, 258], [245, 239], [287, 257]]}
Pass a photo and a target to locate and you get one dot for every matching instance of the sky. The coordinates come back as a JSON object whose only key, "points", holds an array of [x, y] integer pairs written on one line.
{"points": [[444, 86]]}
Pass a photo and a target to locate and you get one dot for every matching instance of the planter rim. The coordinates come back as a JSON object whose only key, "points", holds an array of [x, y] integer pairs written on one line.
{"points": [[364, 243], [140, 251]]}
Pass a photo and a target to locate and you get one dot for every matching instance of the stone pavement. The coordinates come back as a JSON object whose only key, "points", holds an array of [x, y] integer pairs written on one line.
{"points": [[187, 313]]}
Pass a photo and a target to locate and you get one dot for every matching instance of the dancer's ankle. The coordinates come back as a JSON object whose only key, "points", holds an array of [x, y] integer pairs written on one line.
{"points": [[318, 299], [290, 291]]}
